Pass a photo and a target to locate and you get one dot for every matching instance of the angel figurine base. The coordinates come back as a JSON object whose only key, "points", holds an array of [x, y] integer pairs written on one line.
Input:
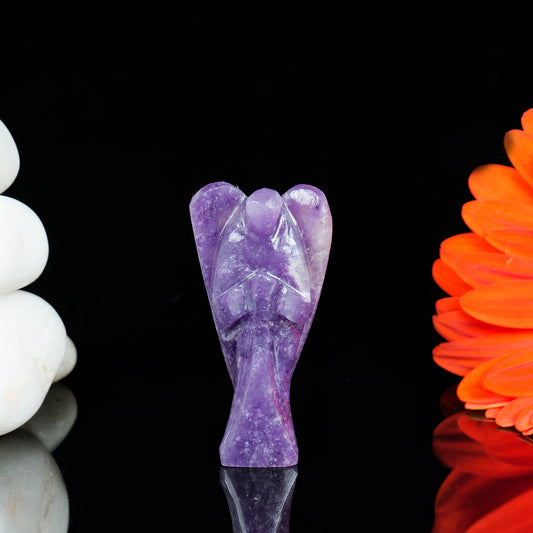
{"points": [[263, 260]]}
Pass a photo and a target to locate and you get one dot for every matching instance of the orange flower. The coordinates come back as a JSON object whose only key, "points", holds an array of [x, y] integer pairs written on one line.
{"points": [[487, 320]]}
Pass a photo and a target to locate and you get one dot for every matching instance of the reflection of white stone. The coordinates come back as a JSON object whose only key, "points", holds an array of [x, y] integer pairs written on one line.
{"points": [[33, 496], [23, 245], [55, 418], [9, 158], [32, 347]]}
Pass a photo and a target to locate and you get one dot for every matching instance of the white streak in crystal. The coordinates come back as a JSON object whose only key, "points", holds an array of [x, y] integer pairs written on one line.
{"points": [[305, 196], [275, 240], [303, 294], [235, 236], [298, 272]]}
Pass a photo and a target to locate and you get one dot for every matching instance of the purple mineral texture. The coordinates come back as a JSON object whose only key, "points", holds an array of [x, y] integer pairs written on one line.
{"points": [[263, 260]]}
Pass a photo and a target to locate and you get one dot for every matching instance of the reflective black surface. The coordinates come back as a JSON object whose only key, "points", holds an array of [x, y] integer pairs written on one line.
{"points": [[259, 499], [119, 125]]}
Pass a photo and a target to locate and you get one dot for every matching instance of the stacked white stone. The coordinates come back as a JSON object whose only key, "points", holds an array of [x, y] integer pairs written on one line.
{"points": [[35, 350]]}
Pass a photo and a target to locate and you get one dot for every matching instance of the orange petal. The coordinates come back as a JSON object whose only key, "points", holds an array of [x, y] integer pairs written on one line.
{"points": [[499, 182], [450, 303], [519, 147], [482, 216], [524, 421], [486, 268], [508, 303], [464, 243], [448, 280], [461, 356], [471, 390], [527, 121], [512, 375], [456, 325], [448, 356], [514, 241], [508, 414], [446, 327], [492, 412]]}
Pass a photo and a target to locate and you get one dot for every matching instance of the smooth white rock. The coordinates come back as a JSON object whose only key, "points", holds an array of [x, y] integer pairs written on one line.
{"points": [[33, 496], [23, 245], [55, 418], [68, 362], [32, 347], [9, 158]]}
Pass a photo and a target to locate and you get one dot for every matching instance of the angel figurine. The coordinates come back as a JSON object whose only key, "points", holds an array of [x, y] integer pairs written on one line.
{"points": [[263, 260]]}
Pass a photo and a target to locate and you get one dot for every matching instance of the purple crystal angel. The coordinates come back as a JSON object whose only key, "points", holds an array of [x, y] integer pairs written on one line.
{"points": [[263, 260]]}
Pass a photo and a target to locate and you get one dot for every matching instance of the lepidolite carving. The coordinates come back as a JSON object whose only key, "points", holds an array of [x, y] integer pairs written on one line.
{"points": [[263, 260]]}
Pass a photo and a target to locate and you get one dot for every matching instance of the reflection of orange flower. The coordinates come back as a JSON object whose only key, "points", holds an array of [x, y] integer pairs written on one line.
{"points": [[487, 320], [490, 487]]}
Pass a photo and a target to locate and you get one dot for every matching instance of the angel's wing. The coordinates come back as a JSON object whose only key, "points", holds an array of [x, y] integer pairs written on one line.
{"points": [[211, 208], [309, 207]]}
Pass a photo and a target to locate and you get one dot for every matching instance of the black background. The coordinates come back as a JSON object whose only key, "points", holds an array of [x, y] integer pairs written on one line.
{"points": [[119, 124]]}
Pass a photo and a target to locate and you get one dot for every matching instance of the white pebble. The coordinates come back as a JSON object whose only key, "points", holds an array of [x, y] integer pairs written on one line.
{"points": [[23, 245], [9, 158], [32, 348], [69, 361]]}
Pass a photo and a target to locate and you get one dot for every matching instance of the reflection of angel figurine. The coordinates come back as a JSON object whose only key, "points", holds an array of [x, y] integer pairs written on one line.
{"points": [[259, 499], [263, 260]]}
